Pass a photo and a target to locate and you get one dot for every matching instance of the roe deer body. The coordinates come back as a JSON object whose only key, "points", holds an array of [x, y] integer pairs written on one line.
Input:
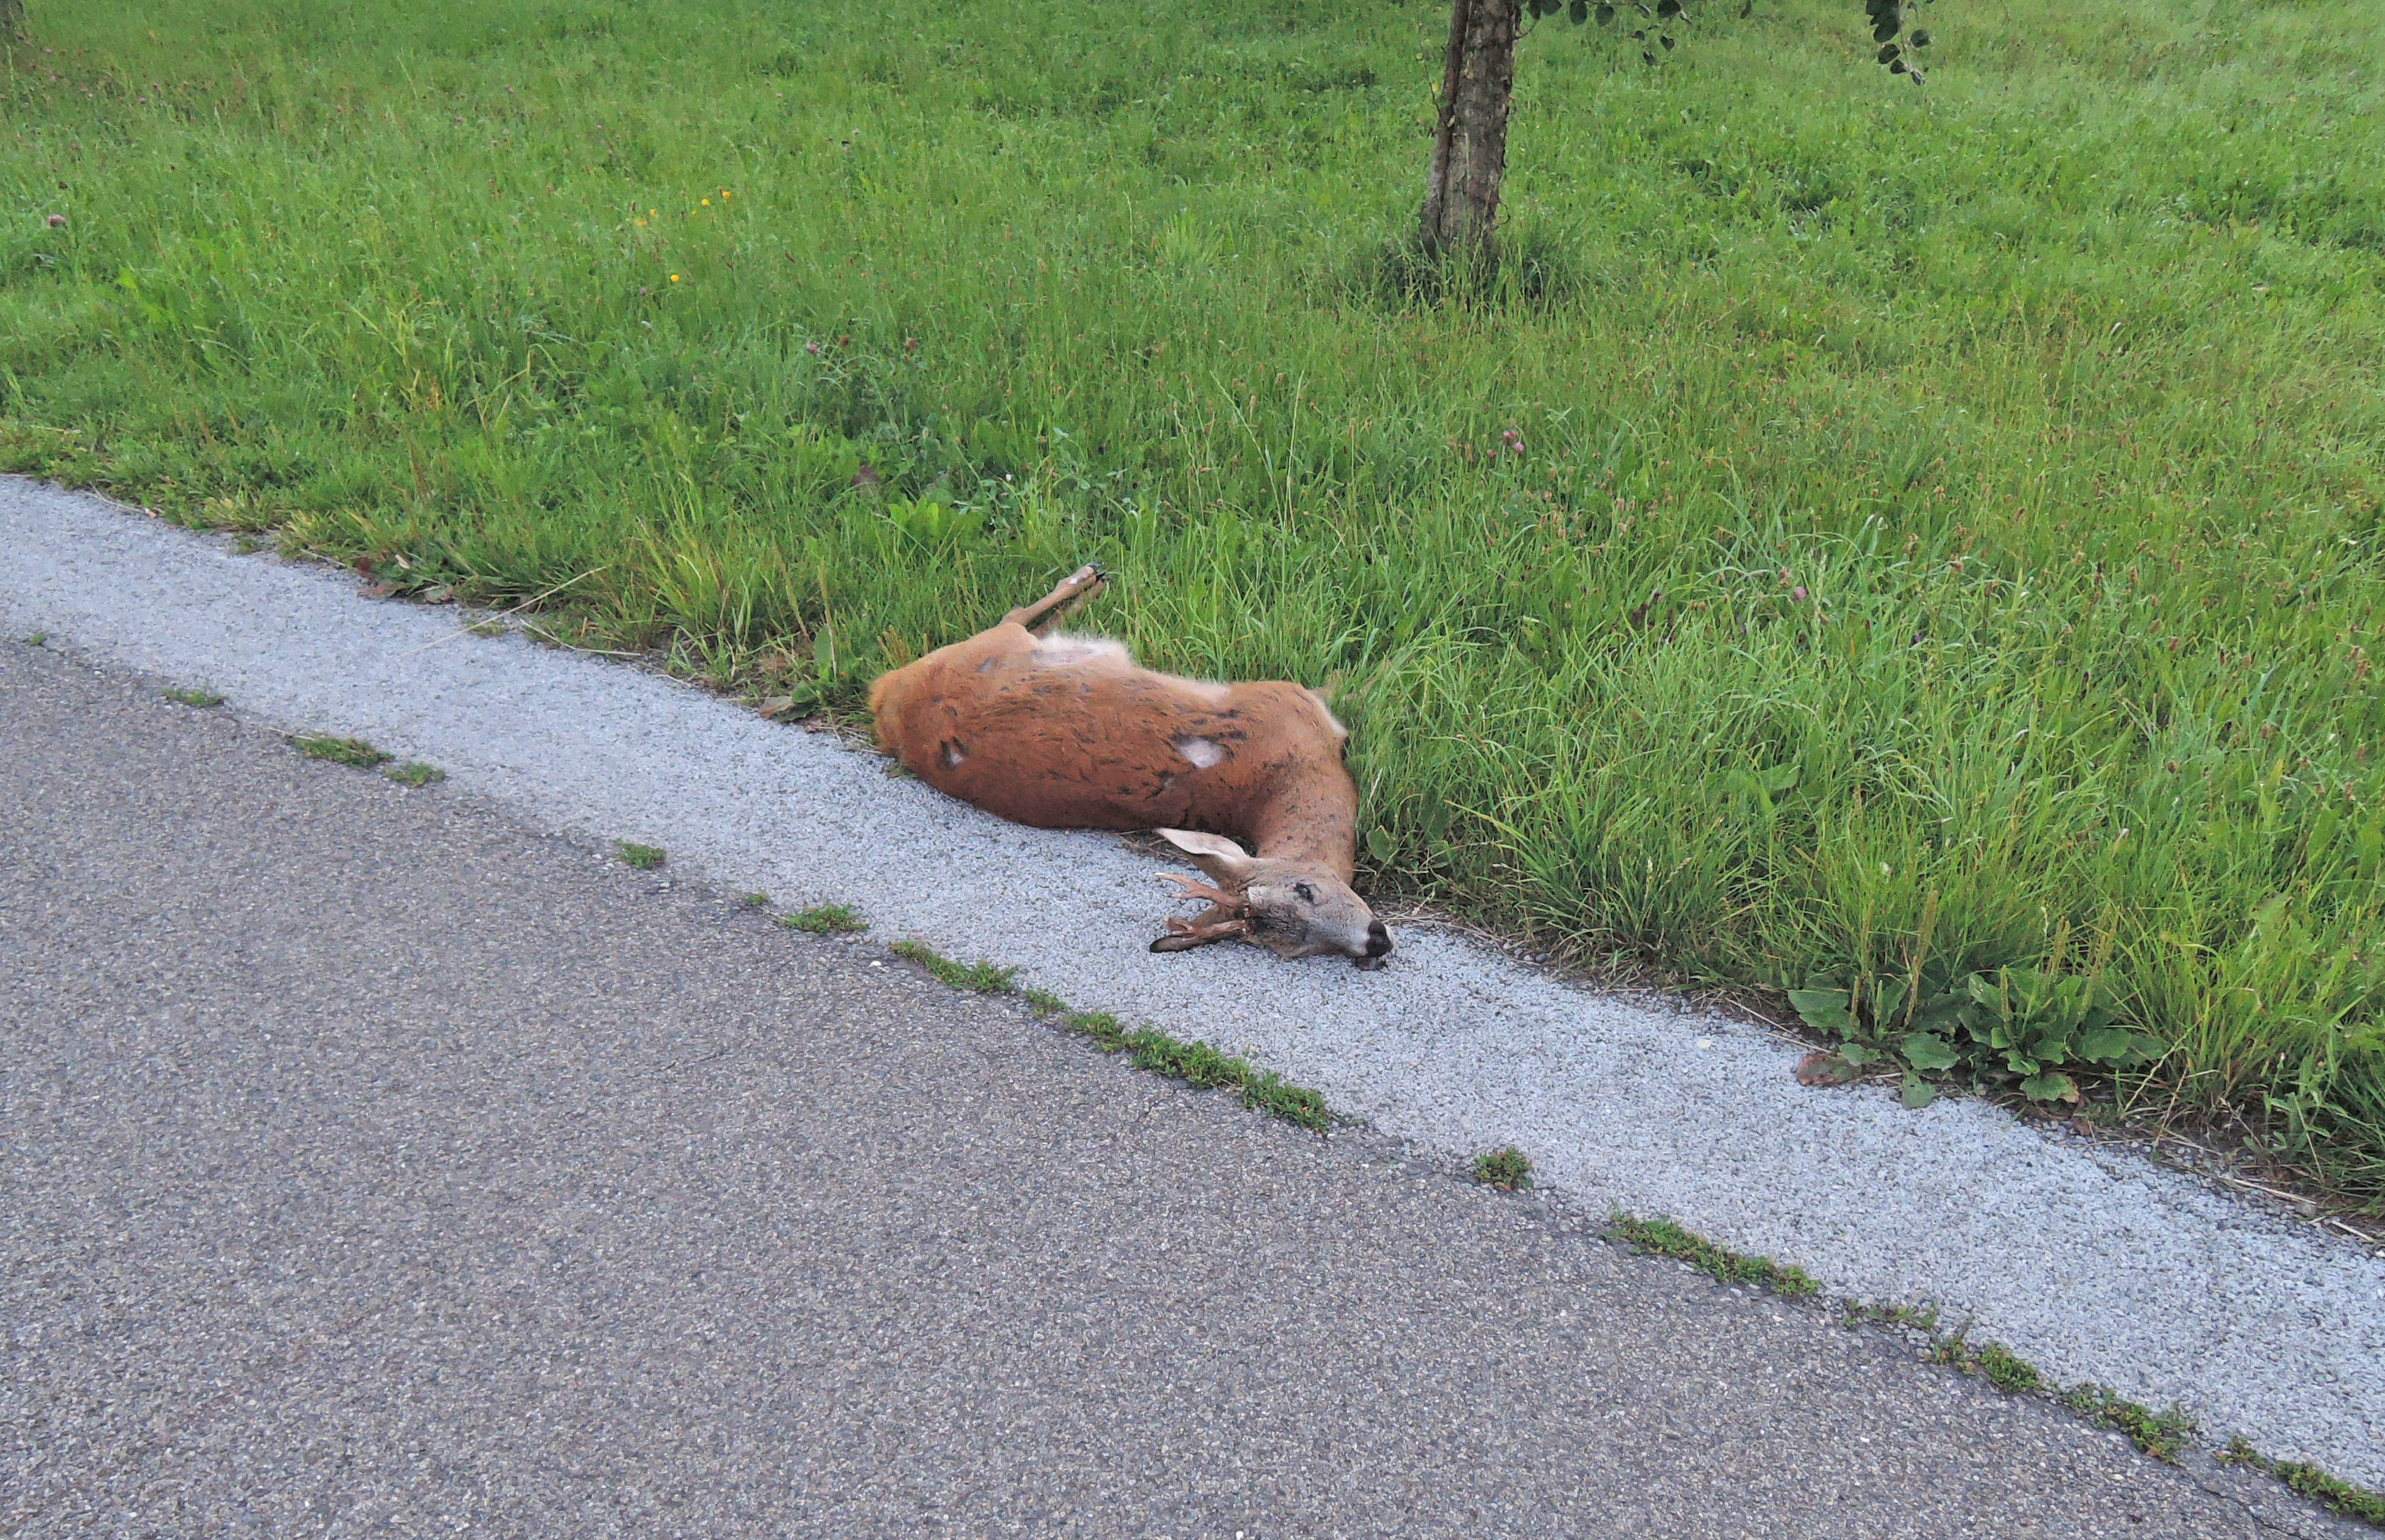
{"points": [[1066, 732]]}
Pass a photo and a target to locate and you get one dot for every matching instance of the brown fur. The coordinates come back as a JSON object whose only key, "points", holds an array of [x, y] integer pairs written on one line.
{"points": [[1063, 733]]}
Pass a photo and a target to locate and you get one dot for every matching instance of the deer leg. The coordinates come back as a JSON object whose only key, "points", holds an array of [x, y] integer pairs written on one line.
{"points": [[1187, 887], [1078, 586]]}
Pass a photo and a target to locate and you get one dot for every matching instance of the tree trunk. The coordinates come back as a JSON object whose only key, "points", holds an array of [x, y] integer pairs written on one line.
{"points": [[1469, 145]]}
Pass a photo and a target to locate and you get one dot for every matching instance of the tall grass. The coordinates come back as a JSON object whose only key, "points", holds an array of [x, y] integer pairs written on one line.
{"points": [[1899, 525]]}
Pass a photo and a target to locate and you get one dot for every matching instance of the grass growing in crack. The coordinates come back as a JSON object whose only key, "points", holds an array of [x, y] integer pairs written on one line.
{"points": [[2007, 1371], [2353, 1502], [832, 919], [39, 638], [1504, 1169], [980, 978], [340, 750], [1665, 1238], [1197, 1064], [414, 772], [645, 857], [757, 901], [201, 698], [2160, 1434], [1919, 1318]]}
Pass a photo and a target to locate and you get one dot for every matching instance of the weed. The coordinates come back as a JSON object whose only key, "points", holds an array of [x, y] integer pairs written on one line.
{"points": [[982, 978], [1194, 1063], [39, 638], [1198, 1066], [644, 858], [1665, 1238], [340, 750], [829, 919], [758, 901], [2160, 1434], [201, 698], [2343, 1497], [414, 772], [1504, 1169], [2006, 1371]]}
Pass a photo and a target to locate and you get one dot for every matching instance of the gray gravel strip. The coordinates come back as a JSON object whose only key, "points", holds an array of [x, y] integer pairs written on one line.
{"points": [[2092, 1264], [377, 1164]]}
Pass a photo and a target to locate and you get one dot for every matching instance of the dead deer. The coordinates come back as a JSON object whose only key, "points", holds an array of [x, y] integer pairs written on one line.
{"points": [[1066, 732]]}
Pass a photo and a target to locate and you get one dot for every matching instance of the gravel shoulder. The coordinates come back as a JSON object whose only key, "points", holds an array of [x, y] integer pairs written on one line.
{"points": [[2092, 1263]]}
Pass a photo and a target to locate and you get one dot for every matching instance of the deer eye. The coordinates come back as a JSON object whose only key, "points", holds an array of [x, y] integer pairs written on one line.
{"points": [[1307, 894]]}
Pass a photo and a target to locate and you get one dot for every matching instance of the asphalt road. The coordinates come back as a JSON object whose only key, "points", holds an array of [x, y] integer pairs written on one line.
{"points": [[377, 1164]]}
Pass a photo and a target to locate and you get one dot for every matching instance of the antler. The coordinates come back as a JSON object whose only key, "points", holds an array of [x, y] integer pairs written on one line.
{"points": [[1192, 887], [1218, 932]]}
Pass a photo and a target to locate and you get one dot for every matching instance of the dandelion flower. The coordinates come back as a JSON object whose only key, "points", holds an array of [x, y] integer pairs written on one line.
{"points": [[724, 195], [674, 277], [707, 203]]}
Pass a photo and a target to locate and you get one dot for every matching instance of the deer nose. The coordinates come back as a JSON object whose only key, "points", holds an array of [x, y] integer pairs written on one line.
{"points": [[1378, 940]]}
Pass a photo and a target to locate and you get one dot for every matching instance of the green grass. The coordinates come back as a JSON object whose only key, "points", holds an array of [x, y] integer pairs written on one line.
{"points": [[1664, 1238], [643, 857], [1197, 1064], [1505, 1169], [980, 978], [827, 919], [198, 698], [2160, 1434], [1945, 539], [353, 752], [414, 772], [2353, 1502]]}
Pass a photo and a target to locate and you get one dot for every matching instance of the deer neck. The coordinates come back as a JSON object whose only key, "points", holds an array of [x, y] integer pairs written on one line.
{"points": [[1309, 816]]}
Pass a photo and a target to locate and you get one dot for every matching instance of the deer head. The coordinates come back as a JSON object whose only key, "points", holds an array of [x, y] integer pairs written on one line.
{"points": [[1292, 908]]}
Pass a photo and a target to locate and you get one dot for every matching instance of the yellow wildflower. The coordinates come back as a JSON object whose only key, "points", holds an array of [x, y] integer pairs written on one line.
{"points": [[707, 203], [674, 277]]}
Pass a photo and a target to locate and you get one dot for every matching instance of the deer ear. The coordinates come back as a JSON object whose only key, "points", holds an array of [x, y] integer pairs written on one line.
{"points": [[1213, 854]]}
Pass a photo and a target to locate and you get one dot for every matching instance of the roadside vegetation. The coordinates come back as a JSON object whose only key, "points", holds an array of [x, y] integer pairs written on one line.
{"points": [[1918, 547]]}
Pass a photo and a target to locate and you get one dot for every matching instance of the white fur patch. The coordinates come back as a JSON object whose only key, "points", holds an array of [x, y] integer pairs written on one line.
{"points": [[1063, 651], [1330, 720], [1200, 751]]}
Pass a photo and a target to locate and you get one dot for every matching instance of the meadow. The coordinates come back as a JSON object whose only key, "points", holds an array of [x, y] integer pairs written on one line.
{"points": [[1919, 547]]}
